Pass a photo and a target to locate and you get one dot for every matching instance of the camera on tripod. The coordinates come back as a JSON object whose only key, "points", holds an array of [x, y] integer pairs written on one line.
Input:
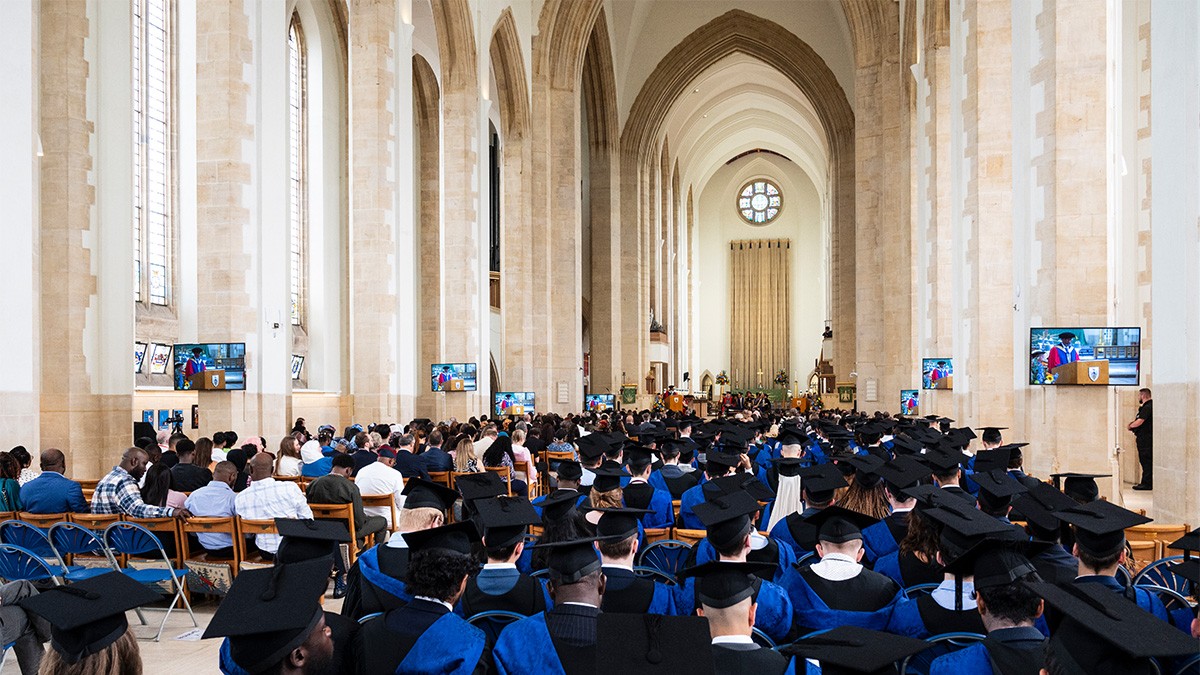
{"points": [[176, 423]]}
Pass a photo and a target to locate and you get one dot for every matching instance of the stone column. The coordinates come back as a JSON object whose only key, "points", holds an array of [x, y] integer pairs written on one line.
{"points": [[241, 138], [1175, 44], [427, 258], [19, 193], [410, 378]]}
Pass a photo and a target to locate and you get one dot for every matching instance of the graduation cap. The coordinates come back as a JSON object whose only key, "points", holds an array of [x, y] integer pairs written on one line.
{"points": [[997, 458], [1041, 505], [608, 478], [591, 447], [269, 612], [992, 434], [960, 437], [457, 537], [788, 466], [820, 482], [997, 488], [571, 560], [308, 539], [481, 485], [1103, 632], [963, 526], [89, 615], [837, 525], [1079, 486], [638, 458], [944, 458], [997, 562], [1100, 526], [619, 523], [421, 493], [724, 584], [505, 520], [847, 650], [727, 517], [723, 459], [903, 472], [925, 436], [652, 643], [558, 504], [903, 445], [792, 436], [866, 468], [567, 470], [1188, 543]]}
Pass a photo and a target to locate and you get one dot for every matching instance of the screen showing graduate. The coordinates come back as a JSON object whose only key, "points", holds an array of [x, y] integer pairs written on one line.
{"points": [[910, 402], [937, 373], [215, 366], [514, 403], [1087, 356], [599, 402], [452, 377]]}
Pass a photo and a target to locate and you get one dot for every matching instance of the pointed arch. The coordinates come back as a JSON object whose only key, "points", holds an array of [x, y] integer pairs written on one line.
{"points": [[508, 65]]}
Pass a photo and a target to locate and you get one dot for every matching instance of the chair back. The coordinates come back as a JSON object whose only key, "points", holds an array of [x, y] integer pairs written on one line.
{"points": [[762, 639], [441, 478], [343, 513], [521, 470], [26, 536], [43, 520], [653, 534], [367, 617], [71, 539], [917, 590], [248, 528], [491, 623], [21, 564], [655, 574], [667, 556], [565, 456], [692, 537], [95, 521], [133, 539], [1143, 553], [1158, 573], [166, 530], [208, 525], [540, 574], [290, 479], [387, 501], [505, 475], [939, 645]]}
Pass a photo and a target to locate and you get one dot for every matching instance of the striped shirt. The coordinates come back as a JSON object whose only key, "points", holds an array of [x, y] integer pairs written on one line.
{"points": [[267, 499], [118, 493]]}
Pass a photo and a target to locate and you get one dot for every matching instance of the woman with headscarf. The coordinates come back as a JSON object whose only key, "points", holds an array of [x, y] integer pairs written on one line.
{"points": [[316, 464]]}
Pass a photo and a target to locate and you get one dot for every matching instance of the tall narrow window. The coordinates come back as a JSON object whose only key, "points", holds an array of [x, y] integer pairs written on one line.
{"points": [[297, 207], [152, 193]]}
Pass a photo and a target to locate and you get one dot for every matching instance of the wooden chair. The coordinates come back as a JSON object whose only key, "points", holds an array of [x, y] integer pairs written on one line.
{"points": [[344, 513], [441, 478], [248, 528], [653, 534], [675, 510], [197, 525], [43, 520], [167, 530], [290, 479], [1155, 532], [1144, 553], [691, 537], [389, 501], [521, 470], [505, 475], [95, 521]]}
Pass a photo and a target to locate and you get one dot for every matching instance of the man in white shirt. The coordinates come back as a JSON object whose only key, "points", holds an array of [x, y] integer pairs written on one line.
{"points": [[381, 478], [485, 441], [267, 498]]}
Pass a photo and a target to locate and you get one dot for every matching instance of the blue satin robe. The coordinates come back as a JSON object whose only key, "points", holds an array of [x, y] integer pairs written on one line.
{"points": [[525, 647], [451, 646]]}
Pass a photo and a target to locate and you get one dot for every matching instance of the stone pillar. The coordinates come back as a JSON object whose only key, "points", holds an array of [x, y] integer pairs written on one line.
{"points": [[607, 242], [19, 193], [241, 138], [1175, 44], [410, 377], [427, 258]]}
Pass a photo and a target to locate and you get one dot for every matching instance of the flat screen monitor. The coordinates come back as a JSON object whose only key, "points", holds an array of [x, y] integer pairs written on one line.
{"points": [[599, 402], [937, 373], [910, 402], [452, 377], [514, 403], [139, 355], [212, 366], [1085, 356]]}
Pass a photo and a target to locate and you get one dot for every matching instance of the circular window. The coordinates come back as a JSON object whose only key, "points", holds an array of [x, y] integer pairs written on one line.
{"points": [[759, 202]]}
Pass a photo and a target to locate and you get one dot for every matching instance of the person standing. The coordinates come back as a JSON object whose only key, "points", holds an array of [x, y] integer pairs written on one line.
{"points": [[1143, 430]]}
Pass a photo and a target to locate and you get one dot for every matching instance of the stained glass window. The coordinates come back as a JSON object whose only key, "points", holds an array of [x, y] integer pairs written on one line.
{"points": [[152, 217], [297, 207], [759, 202]]}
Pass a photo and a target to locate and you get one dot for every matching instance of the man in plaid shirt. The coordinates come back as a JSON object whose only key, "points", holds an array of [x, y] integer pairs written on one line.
{"points": [[118, 491]]}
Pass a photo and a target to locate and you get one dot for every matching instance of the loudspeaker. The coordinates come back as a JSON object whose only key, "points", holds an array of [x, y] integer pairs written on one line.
{"points": [[142, 430]]}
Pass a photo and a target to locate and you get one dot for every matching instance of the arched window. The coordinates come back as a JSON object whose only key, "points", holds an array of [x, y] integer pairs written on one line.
{"points": [[153, 189], [759, 202], [297, 178]]}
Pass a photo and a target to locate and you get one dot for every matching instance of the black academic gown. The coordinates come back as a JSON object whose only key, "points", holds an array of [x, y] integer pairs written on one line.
{"points": [[736, 659], [525, 597], [422, 629], [364, 597]]}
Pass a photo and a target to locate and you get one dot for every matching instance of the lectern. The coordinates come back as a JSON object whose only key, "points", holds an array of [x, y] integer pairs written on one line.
{"points": [[209, 380], [1082, 372], [946, 382]]}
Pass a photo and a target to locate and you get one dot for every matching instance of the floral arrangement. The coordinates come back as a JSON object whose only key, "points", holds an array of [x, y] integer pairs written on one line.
{"points": [[722, 378], [781, 377]]}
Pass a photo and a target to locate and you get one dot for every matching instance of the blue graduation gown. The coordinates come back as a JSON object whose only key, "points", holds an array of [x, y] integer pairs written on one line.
{"points": [[525, 647], [663, 513], [704, 552], [1028, 652], [450, 645], [878, 541], [782, 534], [662, 601], [1144, 598], [970, 660], [810, 610], [368, 566], [889, 566], [774, 615], [687, 505], [225, 661]]}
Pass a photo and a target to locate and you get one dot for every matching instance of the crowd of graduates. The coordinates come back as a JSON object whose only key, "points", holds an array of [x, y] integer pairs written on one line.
{"points": [[813, 527]]}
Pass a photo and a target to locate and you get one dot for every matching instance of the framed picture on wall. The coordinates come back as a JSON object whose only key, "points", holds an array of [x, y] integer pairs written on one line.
{"points": [[160, 358], [139, 355], [195, 416], [148, 416], [163, 416], [297, 364]]}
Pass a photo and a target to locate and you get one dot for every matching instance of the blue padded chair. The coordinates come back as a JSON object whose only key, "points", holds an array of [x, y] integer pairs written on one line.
{"points": [[1158, 574], [655, 574], [68, 538], [492, 622], [21, 564], [125, 538], [27, 536], [667, 556], [919, 663]]}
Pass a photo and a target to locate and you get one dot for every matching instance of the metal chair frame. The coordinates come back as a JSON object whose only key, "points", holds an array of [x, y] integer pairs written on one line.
{"points": [[919, 589], [121, 531], [655, 574], [665, 544], [1157, 574]]}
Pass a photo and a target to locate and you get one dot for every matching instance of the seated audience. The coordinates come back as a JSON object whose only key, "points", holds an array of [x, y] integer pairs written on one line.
{"points": [[337, 488], [500, 585], [216, 500], [52, 491], [117, 492], [187, 476], [158, 488], [10, 488], [289, 463], [434, 458], [24, 460], [267, 499], [408, 464], [725, 596], [381, 478], [315, 462]]}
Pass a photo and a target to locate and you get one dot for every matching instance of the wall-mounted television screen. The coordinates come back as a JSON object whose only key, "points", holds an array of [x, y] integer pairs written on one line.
{"points": [[599, 402], [452, 377], [1092, 356], [937, 373], [910, 402], [514, 403], [214, 366]]}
